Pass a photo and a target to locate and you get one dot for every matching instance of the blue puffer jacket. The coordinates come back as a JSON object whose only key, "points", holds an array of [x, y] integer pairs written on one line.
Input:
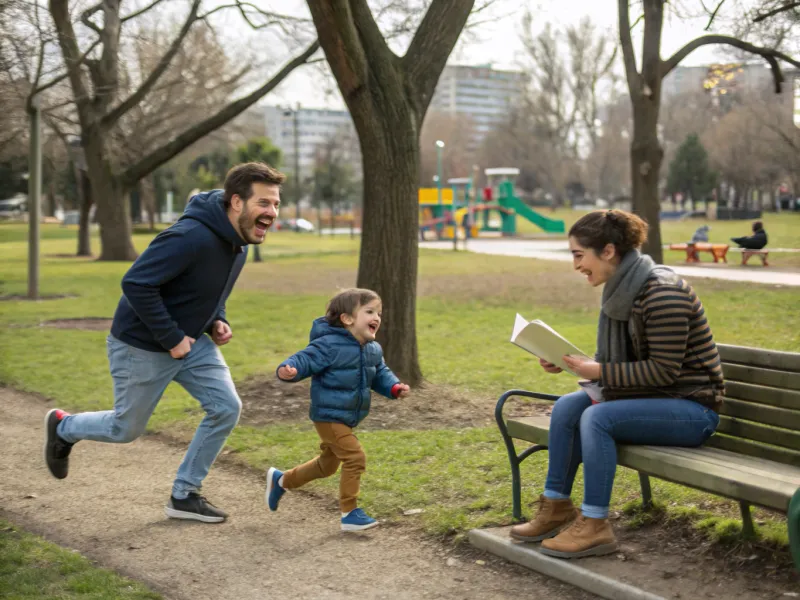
{"points": [[343, 373]]}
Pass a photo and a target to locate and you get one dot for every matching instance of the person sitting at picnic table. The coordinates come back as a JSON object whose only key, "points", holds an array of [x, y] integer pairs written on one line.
{"points": [[753, 242], [701, 234]]}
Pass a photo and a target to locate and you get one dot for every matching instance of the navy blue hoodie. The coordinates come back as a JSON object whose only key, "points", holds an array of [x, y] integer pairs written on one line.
{"points": [[179, 285]]}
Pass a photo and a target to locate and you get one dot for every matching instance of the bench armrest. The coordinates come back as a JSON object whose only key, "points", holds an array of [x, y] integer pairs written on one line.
{"points": [[501, 401]]}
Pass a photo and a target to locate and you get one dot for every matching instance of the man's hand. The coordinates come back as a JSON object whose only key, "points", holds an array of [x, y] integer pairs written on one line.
{"points": [[584, 367], [403, 390], [221, 333], [183, 348], [287, 373], [549, 367]]}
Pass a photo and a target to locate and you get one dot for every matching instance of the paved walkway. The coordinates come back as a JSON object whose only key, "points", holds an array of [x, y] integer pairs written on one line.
{"points": [[558, 250]]}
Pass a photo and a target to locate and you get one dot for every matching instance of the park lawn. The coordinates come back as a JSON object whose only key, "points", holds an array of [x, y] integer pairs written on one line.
{"points": [[466, 305], [33, 569]]}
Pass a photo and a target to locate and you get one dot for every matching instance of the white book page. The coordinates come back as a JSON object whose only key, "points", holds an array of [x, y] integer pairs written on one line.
{"points": [[543, 341]]}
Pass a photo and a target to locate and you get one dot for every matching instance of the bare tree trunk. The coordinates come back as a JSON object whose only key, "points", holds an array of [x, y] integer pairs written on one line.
{"points": [[84, 206], [147, 198], [333, 219], [646, 156], [390, 173], [113, 212]]}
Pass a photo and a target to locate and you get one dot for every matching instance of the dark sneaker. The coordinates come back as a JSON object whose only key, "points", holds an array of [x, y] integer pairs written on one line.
{"points": [[357, 520], [194, 508], [274, 490], [56, 450]]}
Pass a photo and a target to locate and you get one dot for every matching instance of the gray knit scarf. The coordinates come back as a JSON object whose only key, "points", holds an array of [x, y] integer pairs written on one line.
{"points": [[613, 338]]}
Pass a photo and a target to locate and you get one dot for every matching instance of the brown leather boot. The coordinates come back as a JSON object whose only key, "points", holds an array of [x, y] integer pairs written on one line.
{"points": [[551, 517], [585, 537]]}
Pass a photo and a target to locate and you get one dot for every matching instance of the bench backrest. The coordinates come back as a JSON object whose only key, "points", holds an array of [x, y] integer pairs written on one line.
{"points": [[761, 413]]}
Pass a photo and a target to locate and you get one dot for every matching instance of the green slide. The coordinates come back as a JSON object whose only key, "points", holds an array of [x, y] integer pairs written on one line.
{"points": [[526, 212]]}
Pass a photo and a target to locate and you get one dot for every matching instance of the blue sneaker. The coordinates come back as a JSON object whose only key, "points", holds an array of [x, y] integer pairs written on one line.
{"points": [[357, 520], [274, 491]]}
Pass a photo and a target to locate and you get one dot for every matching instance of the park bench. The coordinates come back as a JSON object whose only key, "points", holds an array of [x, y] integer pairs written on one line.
{"points": [[763, 254], [718, 251], [753, 458]]}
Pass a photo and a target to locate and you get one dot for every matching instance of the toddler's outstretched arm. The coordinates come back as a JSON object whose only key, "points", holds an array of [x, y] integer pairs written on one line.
{"points": [[311, 360]]}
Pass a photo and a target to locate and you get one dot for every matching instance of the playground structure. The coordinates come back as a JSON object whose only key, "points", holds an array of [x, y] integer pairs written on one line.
{"points": [[456, 211]]}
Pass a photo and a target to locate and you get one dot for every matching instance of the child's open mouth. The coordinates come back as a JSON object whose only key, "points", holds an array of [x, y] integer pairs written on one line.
{"points": [[373, 328]]}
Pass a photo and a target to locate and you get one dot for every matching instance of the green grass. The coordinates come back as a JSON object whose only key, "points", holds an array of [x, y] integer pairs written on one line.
{"points": [[33, 569], [465, 311]]}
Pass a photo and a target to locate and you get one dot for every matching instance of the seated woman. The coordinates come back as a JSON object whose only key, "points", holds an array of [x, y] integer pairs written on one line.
{"points": [[659, 377], [753, 242]]}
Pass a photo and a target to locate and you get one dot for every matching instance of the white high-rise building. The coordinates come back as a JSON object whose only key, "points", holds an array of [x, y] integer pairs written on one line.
{"points": [[306, 129], [481, 93]]}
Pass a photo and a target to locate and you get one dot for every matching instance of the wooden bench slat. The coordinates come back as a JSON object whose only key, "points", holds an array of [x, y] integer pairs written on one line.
{"points": [[758, 357], [719, 472], [745, 464], [759, 433], [771, 377], [750, 448], [761, 413], [789, 399]]}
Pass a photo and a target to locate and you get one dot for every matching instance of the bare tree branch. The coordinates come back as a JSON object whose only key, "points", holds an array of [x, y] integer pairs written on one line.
{"points": [[86, 17], [63, 76], [59, 9], [136, 97], [629, 58], [714, 15], [435, 39], [141, 11], [148, 164], [342, 45], [770, 55], [776, 11]]}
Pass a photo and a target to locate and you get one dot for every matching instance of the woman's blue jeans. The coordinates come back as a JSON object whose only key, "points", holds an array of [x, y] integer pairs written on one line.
{"points": [[583, 432]]}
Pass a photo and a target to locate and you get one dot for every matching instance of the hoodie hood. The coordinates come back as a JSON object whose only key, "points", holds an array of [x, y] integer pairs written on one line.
{"points": [[321, 328], [208, 208]]}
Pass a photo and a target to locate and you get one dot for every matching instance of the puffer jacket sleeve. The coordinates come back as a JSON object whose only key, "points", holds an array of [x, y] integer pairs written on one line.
{"points": [[384, 380], [313, 359]]}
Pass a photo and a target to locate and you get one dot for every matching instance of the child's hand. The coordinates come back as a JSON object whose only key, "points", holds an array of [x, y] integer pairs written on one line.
{"points": [[403, 390], [287, 373]]}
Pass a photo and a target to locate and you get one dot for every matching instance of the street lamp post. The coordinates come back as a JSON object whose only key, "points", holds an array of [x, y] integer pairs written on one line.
{"points": [[34, 196], [296, 143]]}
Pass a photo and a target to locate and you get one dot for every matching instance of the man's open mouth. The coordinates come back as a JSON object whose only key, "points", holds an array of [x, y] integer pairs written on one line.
{"points": [[262, 225]]}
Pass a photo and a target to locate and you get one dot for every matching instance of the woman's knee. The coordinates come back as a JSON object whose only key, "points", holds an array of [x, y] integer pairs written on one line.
{"points": [[568, 409]]}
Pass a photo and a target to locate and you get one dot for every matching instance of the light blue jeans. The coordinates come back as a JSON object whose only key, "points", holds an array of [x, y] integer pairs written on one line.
{"points": [[583, 432], [140, 378]]}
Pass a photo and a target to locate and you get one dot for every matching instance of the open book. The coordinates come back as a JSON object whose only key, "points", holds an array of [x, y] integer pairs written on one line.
{"points": [[543, 341]]}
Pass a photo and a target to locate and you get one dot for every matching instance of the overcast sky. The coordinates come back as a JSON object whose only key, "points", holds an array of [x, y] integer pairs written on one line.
{"points": [[498, 42]]}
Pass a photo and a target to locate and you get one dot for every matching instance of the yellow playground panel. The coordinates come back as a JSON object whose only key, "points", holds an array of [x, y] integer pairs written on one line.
{"points": [[431, 195]]}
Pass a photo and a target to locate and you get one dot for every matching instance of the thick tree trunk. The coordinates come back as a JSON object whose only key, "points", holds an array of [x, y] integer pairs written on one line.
{"points": [[85, 205], [646, 156], [113, 212], [389, 228]]}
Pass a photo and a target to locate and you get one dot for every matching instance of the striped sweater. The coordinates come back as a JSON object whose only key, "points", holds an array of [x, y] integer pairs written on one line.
{"points": [[672, 351]]}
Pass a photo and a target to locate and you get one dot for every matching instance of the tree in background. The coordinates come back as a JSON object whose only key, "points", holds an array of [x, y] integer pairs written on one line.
{"points": [[96, 77], [335, 179], [644, 88], [689, 172]]}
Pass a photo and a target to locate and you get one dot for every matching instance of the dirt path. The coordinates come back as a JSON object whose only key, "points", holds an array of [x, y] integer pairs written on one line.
{"points": [[110, 509]]}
